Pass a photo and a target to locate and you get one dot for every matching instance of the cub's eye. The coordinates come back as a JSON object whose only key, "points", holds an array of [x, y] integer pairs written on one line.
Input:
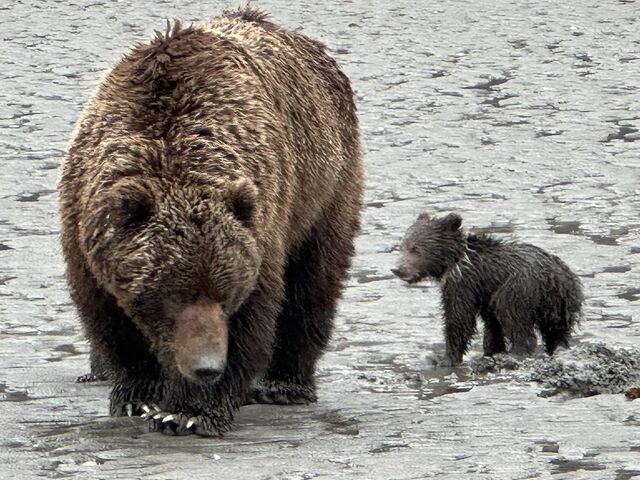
{"points": [[413, 250]]}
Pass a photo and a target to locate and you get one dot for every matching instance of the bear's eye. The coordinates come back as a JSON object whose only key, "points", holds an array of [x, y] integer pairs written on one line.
{"points": [[133, 212]]}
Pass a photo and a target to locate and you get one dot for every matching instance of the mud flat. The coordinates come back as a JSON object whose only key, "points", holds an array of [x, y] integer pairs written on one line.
{"points": [[523, 117]]}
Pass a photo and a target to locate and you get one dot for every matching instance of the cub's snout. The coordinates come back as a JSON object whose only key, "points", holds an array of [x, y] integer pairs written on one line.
{"points": [[405, 274]]}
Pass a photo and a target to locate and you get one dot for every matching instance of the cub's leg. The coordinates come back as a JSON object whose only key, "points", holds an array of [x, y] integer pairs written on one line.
{"points": [[493, 341], [515, 309], [460, 313]]}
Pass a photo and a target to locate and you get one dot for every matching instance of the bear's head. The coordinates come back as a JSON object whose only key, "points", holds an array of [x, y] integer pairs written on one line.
{"points": [[430, 248], [179, 255]]}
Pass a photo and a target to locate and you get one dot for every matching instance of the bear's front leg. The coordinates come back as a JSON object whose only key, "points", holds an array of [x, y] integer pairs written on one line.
{"points": [[459, 322]]}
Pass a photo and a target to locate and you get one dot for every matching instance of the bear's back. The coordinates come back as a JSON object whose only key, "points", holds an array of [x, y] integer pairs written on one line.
{"points": [[496, 261]]}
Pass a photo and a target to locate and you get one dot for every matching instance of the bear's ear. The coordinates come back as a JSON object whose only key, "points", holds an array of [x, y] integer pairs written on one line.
{"points": [[452, 222], [242, 201], [424, 217]]}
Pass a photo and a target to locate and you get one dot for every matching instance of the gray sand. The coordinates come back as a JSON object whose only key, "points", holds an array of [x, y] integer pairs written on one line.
{"points": [[523, 116]]}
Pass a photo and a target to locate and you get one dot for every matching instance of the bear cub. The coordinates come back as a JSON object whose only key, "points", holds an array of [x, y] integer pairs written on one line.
{"points": [[514, 287]]}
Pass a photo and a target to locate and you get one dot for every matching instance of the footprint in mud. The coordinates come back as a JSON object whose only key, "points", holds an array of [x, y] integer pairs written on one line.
{"points": [[631, 294], [565, 227], [335, 422], [387, 447], [624, 474], [565, 465], [625, 133], [8, 394], [34, 196]]}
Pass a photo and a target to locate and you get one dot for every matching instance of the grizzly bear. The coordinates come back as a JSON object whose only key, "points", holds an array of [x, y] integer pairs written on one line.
{"points": [[514, 287], [209, 201]]}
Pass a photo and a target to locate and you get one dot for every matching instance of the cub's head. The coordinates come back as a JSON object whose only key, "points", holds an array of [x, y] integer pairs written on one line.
{"points": [[180, 257], [430, 248]]}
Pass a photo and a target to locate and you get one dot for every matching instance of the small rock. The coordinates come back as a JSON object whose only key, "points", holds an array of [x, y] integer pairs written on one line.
{"points": [[633, 393]]}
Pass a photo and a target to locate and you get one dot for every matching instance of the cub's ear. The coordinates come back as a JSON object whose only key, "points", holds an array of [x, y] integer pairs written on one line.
{"points": [[424, 217], [242, 201], [452, 222]]}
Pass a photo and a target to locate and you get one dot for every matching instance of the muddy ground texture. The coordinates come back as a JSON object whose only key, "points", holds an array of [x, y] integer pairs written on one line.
{"points": [[522, 116]]}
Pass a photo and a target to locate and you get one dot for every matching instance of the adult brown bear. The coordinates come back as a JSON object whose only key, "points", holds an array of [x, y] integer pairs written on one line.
{"points": [[209, 201]]}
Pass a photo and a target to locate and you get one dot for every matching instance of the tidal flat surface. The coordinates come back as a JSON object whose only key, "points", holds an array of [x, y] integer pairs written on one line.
{"points": [[522, 116]]}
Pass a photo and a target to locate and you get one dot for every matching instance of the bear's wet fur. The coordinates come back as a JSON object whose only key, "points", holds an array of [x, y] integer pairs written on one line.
{"points": [[515, 287], [208, 201]]}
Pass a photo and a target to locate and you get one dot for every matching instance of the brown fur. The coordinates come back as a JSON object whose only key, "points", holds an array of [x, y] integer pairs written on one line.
{"points": [[218, 164]]}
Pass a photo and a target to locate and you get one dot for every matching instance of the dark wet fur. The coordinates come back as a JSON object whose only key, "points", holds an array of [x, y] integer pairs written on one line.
{"points": [[514, 287]]}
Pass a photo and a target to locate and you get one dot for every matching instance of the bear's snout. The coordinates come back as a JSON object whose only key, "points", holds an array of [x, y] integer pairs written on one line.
{"points": [[201, 340]]}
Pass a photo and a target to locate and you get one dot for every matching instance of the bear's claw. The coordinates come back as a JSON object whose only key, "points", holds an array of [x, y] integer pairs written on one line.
{"points": [[173, 424], [184, 424], [129, 409]]}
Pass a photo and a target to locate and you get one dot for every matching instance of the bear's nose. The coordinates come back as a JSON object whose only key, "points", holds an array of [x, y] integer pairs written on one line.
{"points": [[207, 374]]}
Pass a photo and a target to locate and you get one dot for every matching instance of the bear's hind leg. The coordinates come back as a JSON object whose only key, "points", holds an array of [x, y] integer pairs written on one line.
{"points": [[519, 329], [100, 372], [514, 306], [555, 328], [554, 337], [314, 277]]}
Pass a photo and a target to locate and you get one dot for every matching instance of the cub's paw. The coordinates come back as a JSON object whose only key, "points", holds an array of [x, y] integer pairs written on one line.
{"points": [[276, 392], [181, 423]]}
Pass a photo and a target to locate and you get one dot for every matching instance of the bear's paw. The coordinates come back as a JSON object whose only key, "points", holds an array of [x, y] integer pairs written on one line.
{"points": [[183, 423], [276, 392]]}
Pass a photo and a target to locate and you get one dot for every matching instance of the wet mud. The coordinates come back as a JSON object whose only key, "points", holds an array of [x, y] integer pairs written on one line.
{"points": [[522, 116]]}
